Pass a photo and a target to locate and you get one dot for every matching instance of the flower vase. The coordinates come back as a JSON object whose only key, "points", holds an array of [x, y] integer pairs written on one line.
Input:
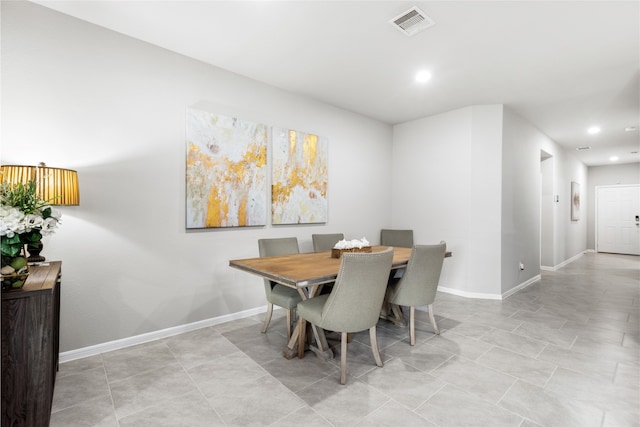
{"points": [[14, 271], [34, 252]]}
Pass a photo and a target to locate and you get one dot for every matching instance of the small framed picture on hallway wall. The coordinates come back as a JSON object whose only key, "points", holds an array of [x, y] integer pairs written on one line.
{"points": [[575, 201]]}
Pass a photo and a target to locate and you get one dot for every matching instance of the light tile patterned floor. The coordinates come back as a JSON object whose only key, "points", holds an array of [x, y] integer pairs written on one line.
{"points": [[562, 352]]}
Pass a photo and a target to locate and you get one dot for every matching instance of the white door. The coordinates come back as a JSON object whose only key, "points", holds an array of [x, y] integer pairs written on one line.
{"points": [[618, 219]]}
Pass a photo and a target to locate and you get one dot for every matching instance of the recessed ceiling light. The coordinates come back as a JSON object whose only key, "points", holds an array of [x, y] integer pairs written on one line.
{"points": [[423, 76], [593, 130], [630, 128], [614, 158]]}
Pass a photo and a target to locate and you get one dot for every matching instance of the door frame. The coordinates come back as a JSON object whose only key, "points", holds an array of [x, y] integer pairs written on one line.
{"points": [[547, 214]]}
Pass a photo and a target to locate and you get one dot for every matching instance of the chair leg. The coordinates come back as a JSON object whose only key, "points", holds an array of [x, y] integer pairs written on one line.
{"points": [[433, 320], [267, 318], [343, 358], [374, 345], [288, 324], [302, 336], [412, 325]]}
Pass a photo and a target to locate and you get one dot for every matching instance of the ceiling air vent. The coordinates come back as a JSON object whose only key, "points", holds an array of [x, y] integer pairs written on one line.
{"points": [[412, 21], [583, 148]]}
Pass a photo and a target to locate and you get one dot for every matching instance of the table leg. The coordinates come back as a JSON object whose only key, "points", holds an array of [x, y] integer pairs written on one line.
{"points": [[291, 350], [397, 317], [322, 350]]}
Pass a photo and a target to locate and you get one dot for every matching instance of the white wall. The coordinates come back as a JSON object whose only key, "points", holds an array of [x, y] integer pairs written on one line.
{"points": [[574, 240], [446, 186], [521, 201], [623, 174], [471, 177], [522, 145], [77, 96], [485, 224]]}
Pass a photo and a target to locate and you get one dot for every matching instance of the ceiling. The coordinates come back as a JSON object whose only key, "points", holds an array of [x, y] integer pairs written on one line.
{"points": [[562, 65]]}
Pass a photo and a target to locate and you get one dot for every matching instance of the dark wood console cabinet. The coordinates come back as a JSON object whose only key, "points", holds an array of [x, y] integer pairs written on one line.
{"points": [[30, 346]]}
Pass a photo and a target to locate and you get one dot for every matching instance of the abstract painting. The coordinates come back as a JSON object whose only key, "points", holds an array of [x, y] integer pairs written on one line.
{"points": [[299, 177], [226, 171], [575, 201]]}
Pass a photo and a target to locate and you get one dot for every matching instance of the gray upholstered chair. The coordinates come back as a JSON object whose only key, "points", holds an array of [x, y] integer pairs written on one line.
{"points": [[400, 238], [280, 295], [417, 287], [353, 304], [325, 242]]}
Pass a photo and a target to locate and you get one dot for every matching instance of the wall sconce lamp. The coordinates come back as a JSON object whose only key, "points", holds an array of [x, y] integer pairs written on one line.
{"points": [[58, 186]]}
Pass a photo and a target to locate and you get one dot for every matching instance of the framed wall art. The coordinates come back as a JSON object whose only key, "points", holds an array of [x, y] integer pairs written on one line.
{"points": [[226, 171], [299, 177], [575, 201]]}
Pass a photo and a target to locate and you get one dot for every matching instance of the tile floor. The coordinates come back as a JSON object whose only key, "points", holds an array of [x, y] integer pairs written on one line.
{"points": [[562, 352]]}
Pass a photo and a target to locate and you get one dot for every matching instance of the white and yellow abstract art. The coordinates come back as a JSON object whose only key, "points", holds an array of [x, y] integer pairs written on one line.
{"points": [[299, 177], [226, 171]]}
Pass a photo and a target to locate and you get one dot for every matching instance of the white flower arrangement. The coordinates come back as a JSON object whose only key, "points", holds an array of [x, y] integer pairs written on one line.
{"points": [[352, 244], [24, 217], [13, 221]]}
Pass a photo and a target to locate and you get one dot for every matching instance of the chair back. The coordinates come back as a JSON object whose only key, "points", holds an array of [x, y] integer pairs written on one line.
{"points": [[325, 242], [400, 238], [279, 246], [357, 295], [419, 283], [275, 247]]}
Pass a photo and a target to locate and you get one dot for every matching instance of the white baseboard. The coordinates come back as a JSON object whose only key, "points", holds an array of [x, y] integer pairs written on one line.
{"points": [[565, 262], [93, 350], [466, 294], [521, 286], [478, 295]]}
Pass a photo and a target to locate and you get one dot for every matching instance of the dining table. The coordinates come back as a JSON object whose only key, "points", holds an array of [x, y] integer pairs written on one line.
{"points": [[307, 273]]}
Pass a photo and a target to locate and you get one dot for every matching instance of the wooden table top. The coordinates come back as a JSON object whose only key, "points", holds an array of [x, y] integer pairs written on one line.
{"points": [[42, 278], [306, 269]]}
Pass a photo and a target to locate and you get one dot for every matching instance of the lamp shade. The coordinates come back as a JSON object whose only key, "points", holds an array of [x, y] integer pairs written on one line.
{"points": [[58, 186]]}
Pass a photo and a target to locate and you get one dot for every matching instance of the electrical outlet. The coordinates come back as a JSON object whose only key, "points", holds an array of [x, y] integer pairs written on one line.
{"points": [[521, 265]]}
